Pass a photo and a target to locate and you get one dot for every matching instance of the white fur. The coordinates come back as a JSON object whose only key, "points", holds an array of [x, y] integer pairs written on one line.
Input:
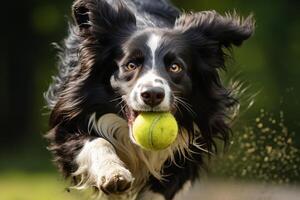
{"points": [[149, 78], [141, 163], [153, 44], [115, 151], [98, 162]]}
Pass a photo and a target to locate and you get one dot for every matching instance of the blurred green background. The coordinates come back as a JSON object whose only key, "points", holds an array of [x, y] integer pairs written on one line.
{"points": [[267, 133]]}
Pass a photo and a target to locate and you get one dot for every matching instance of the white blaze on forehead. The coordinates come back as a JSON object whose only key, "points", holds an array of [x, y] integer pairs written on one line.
{"points": [[153, 43], [150, 77]]}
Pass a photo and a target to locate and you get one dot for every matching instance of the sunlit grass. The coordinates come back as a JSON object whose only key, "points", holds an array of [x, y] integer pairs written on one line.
{"points": [[31, 186], [49, 186]]}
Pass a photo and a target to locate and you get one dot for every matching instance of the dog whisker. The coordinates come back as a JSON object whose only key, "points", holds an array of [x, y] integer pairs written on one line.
{"points": [[188, 107], [122, 110], [185, 105], [178, 108], [116, 99], [118, 104], [184, 100]]}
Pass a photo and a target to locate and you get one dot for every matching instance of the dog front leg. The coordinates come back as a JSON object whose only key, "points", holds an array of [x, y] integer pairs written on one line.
{"points": [[99, 166]]}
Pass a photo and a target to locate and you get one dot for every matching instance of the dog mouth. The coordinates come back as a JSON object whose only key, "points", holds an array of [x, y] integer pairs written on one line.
{"points": [[131, 114]]}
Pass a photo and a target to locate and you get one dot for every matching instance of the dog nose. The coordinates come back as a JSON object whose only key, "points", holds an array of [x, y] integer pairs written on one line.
{"points": [[152, 96]]}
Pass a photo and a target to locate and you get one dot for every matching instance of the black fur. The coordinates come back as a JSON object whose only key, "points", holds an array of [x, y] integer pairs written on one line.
{"points": [[88, 60]]}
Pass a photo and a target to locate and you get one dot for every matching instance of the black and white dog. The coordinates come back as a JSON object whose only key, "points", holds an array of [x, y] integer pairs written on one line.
{"points": [[126, 56]]}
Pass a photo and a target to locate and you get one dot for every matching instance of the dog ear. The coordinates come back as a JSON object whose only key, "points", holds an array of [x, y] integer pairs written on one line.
{"points": [[99, 14], [226, 30], [81, 14]]}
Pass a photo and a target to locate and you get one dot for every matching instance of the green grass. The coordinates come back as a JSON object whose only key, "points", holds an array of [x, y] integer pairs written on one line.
{"points": [[31, 186], [49, 186]]}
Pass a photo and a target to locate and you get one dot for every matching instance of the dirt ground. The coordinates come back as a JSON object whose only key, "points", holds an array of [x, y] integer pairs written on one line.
{"points": [[220, 190]]}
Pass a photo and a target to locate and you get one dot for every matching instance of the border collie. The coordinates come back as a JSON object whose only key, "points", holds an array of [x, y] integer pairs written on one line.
{"points": [[122, 57]]}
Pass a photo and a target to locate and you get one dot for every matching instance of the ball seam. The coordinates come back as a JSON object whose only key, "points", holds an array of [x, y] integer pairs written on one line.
{"points": [[150, 139]]}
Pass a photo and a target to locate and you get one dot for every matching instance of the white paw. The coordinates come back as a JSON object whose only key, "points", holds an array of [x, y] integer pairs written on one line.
{"points": [[115, 180]]}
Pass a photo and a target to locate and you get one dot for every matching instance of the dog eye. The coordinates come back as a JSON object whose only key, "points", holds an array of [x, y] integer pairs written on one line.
{"points": [[131, 66], [175, 68]]}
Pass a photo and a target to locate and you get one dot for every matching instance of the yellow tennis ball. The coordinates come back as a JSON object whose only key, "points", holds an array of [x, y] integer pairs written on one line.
{"points": [[155, 130]]}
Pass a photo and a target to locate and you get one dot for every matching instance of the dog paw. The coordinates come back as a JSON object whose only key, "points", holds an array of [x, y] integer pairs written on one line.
{"points": [[116, 182]]}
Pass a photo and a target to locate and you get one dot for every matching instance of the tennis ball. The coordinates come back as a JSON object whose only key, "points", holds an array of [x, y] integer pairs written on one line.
{"points": [[155, 130]]}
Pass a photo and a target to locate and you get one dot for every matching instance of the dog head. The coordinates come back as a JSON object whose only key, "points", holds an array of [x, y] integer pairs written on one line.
{"points": [[160, 69]]}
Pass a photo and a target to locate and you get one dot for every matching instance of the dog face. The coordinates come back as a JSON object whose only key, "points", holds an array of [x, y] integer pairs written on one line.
{"points": [[152, 72]]}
